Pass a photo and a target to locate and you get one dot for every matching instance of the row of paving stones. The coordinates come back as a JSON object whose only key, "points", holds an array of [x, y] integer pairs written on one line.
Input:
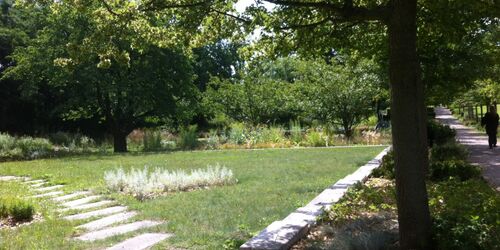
{"points": [[108, 219]]}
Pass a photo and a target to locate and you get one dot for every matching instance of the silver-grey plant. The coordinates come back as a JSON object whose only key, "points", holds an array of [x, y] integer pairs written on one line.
{"points": [[143, 184]]}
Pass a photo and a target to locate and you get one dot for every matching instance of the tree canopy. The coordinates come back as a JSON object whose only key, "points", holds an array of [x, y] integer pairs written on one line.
{"points": [[122, 85], [116, 56]]}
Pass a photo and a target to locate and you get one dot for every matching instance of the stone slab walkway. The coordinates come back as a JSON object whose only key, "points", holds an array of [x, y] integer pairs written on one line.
{"points": [[477, 144], [106, 221]]}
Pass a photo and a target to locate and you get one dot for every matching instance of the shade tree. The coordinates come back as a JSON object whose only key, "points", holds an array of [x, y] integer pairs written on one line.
{"points": [[125, 82], [388, 28]]}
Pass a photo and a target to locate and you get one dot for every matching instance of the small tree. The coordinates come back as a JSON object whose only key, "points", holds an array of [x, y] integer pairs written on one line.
{"points": [[343, 95]]}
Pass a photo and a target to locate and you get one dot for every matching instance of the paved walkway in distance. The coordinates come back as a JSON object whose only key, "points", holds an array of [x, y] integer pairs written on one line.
{"points": [[477, 143]]}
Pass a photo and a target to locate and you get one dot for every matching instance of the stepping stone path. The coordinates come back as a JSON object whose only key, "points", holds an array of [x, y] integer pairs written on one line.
{"points": [[109, 219]]}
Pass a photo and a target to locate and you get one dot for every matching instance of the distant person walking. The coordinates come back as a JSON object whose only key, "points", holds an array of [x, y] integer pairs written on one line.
{"points": [[490, 121]]}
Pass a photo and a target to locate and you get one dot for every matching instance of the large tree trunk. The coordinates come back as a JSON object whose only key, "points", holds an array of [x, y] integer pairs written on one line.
{"points": [[120, 141], [408, 128]]}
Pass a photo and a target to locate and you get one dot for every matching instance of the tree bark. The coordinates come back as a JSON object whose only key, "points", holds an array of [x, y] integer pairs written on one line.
{"points": [[119, 142], [408, 128]]}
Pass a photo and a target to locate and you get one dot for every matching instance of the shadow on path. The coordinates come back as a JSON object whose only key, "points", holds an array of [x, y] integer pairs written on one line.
{"points": [[477, 144]]}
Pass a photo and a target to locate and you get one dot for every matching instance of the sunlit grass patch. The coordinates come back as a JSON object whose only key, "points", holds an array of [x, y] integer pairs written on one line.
{"points": [[271, 184]]}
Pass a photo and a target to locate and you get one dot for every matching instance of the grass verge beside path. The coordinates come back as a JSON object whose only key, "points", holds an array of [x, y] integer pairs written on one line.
{"points": [[272, 183]]}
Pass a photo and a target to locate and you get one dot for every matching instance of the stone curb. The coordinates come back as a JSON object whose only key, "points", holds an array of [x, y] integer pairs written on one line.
{"points": [[283, 234]]}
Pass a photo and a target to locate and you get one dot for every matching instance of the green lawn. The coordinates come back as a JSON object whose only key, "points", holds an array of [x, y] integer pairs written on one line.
{"points": [[272, 183]]}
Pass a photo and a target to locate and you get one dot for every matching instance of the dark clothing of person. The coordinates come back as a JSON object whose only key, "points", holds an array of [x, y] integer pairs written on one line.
{"points": [[490, 121]]}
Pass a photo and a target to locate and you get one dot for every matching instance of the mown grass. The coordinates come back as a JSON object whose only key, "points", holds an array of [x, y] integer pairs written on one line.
{"points": [[49, 233], [271, 184]]}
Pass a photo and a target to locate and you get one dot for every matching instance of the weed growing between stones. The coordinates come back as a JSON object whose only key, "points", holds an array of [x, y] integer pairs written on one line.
{"points": [[143, 184]]}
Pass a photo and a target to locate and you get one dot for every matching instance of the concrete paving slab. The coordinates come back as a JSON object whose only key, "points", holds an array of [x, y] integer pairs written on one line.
{"points": [[81, 201], [8, 178], [39, 184], [49, 194], [71, 196], [121, 229], [109, 220], [140, 242], [87, 206], [34, 181], [101, 212], [49, 188]]}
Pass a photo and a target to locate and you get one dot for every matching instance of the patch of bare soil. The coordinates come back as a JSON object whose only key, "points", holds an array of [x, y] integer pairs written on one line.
{"points": [[10, 223]]}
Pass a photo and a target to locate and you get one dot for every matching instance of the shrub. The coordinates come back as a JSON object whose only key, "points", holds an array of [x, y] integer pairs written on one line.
{"points": [[7, 142], [443, 170], [152, 140], [213, 140], [17, 209], [4, 209], [271, 135], [22, 211], [188, 138], [465, 215], [237, 133], [142, 184], [315, 139], [169, 145], [448, 151], [23, 147], [61, 138], [33, 147], [439, 134], [386, 168], [86, 142], [295, 132]]}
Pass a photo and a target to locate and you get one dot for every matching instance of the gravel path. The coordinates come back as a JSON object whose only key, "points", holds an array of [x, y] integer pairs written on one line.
{"points": [[477, 143]]}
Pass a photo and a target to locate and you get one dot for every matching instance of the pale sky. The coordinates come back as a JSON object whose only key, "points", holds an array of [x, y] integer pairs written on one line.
{"points": [[240, 8], [242, 4]]}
